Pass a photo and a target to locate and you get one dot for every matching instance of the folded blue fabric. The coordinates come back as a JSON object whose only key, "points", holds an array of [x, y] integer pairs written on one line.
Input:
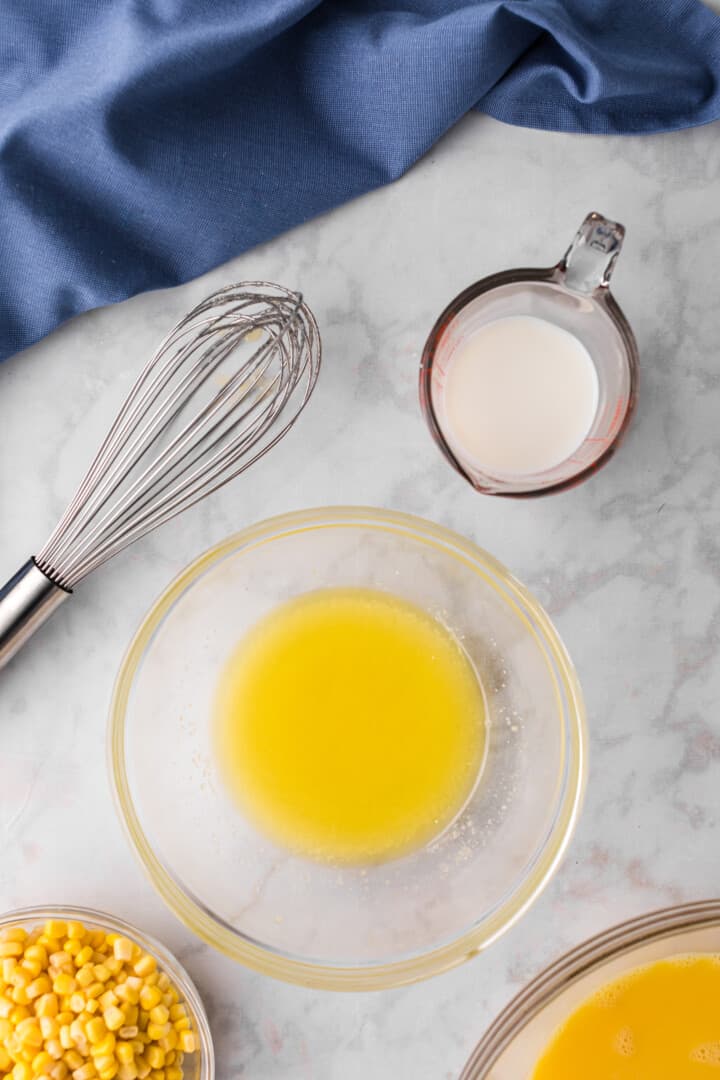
{"points": [[144, 141]]}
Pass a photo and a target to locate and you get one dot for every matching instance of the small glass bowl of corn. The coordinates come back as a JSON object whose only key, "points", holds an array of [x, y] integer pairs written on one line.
{"points": [[85, 996]]}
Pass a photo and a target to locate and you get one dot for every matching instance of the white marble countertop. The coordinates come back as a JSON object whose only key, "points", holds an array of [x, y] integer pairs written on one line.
{"points": [[628, 564]]}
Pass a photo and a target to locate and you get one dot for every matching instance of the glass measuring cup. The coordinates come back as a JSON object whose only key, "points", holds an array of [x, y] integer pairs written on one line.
{"points": [[573, 295]]}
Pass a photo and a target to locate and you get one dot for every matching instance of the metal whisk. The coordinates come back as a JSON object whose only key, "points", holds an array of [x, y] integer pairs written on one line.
{"points": [[224, 386]]}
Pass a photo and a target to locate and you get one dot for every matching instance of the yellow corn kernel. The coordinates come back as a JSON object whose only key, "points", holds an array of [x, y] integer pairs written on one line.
{"points": [[132, 1015], [76, 931], [158, 1031], [85, 1072], [6, 1029], [113, 1017], [91, 1006], [5, 1060], [65, 1017], [47, 1005], [10, 948], [42, 1062], [66, 1040], [6, 1005], [12, 1045], [123, 949], [7, 967], [31, 967], [59, 1071], [109, 1072], [174, 1074], [177, 1012], [28, 1031], [145, 965], [84, 957], [20, 1012], [94, 990], [85, 976], [64, 984], [113, 965], [102, 972], [54, 1049], [77, 1034], [73, 1059], [157, 1074], [38, 987], [42, 1076], [49, 1027], [77, 1002], [61, 961], [52, 944], [150, 996], [183, 1024], [96, 1030], [72, 947], [108, 999], [37, 952], [169, 1042], [127, 993], [107, 1046], [14, 933], [124, 1052], [138, 1047], [160, 1014], [143, 1069], [21, 1071], [130, 1071], [188, 1042], [55, 928], [19, 995], [155, 1057], [163, 979]]}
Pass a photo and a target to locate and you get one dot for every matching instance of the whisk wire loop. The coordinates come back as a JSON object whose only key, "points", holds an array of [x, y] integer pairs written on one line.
{"points": [[183, 431]]}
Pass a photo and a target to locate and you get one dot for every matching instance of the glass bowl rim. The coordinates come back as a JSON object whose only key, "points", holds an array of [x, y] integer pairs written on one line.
{"points": [[572, 965], [264, 958], [168, 962]]}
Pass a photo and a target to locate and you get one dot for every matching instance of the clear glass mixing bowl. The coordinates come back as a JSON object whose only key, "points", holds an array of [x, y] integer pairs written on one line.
{"points": [[197, 1066], [511, 1047], [311, 923]]}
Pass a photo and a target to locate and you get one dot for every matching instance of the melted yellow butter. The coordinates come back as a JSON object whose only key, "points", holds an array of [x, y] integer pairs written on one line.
{"points": [[350, 725], [660, 1022]]}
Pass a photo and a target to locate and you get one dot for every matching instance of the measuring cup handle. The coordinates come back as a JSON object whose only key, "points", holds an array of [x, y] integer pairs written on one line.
{"points": [[588, 263]]}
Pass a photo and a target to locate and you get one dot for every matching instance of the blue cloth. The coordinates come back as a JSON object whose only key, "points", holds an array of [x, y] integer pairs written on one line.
{"points": [[144, 141]]}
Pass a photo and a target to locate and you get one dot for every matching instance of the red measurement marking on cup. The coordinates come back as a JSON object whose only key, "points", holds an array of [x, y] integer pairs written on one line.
{"points": [[612, 422]]}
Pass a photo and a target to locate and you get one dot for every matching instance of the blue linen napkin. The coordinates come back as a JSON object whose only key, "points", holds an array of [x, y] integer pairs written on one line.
{"points": [[143, 142]]}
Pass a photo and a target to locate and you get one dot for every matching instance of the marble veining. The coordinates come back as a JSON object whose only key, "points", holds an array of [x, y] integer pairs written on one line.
{"points": [[628, 565]]}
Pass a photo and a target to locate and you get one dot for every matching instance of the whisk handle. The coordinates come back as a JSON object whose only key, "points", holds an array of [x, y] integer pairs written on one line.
{"points": [[26, 601]]}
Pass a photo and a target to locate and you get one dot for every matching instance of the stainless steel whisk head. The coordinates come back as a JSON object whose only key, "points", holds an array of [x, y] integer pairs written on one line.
{"points": [[223, 387]]}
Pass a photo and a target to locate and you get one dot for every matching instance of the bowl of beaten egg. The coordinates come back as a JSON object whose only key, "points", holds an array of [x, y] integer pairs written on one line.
{"points": [[639, 1000], [348, 748]]}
